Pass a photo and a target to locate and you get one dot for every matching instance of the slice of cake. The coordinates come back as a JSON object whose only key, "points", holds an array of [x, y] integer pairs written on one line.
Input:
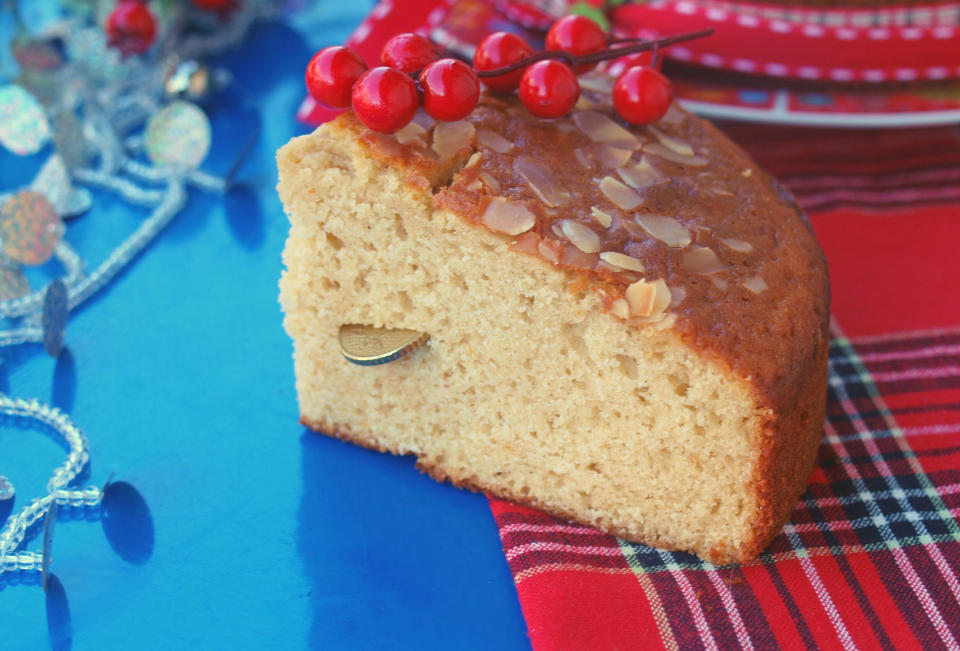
{"points": [[628, 327]]}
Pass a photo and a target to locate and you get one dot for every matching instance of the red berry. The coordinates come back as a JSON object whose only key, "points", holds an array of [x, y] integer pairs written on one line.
{"points": [[331, 74], [499, 50], [624, 63], [549, 89], [577, 35], [385, 99], [450, 90], [131, 27], [408, 52], [642, 95], [214, 5]]}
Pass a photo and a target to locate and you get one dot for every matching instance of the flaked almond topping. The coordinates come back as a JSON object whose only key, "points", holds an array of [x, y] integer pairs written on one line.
{"points": [[640, 296], [474, 159], [623, 261], [747, 173], [675, 144], [600, 128], [619, 194], [423, 119], [721, 192], [666, 229], [584, 104], [601, 217], [413, 133], [657, 149], [673, 115], [581, 157], [599, 83], [574, 257], [663, 297], [610, 156], [620, 308], [490, 181], [566, 127], [528, 243], [719, 283], [557, 230], [581, 236], [494, 141], [641, 175], [737, 245], [756, 284], [548, 251], [677, 294], [508, 217], [702, 260], [543, 183], [451, 137], [475, 186]]}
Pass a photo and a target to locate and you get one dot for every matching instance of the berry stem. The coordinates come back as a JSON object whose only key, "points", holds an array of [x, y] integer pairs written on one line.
{"points": [[596, 57]]}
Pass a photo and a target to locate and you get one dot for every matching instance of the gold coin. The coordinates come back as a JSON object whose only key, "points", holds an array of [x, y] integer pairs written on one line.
{"points": [[369, 346]]}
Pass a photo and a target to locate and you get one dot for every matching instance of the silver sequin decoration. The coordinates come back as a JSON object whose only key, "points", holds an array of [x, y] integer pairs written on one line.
{"points": [[178, 136], [69, 141], [23, 126], [6, 489], [56, 308]]}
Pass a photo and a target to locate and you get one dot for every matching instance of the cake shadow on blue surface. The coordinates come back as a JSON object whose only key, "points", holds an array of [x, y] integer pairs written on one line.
{"points": [[431, 552], [64, 381]]}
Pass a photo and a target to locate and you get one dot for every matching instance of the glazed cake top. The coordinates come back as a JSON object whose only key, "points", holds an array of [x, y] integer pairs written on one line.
{"points": [[671, 224]]}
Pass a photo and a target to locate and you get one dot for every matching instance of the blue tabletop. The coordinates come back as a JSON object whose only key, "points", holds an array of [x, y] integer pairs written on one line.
{"points": [[232, 526]]}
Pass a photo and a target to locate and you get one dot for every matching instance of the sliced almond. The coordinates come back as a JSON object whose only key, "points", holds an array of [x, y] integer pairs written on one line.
{"points": [[609, 156], [641, 175], [747, 173], [619, 194], [673, 115], [640, 297], [600, 128], [666, 229], [623, 261], [548, 250], [474, 160], [756, 284], [580, 236], [574, 257], [542, 181], [662, 297], [601, 217], [662, 151], [475, 186], [737, 245], [491, 182], [413, 133], [494, 141], [597, 82], [584, 104], [702, 260], [508, 217], [620, 308], [450, 137], [675, 144], [528, 243], [719, 283], [581, 158], [677, 294]]}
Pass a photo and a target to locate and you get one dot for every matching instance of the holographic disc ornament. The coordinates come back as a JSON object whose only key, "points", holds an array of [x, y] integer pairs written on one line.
{"points": [[30, 227], [178, 135], [23, 125], [56, 308], [6, 489], [13, 284]]}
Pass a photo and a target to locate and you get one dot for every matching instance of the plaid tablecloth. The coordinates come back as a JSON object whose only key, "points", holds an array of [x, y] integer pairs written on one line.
{"points": [[871, 555]]}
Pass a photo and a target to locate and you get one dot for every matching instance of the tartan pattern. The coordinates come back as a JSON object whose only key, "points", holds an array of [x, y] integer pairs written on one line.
{"points": [[883, 502]]}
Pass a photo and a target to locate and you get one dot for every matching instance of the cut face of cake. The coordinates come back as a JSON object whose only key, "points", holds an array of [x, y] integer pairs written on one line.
{"points": [[628, 327]]}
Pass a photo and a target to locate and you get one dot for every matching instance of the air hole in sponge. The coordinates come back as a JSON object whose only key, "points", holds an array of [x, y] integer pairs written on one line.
{"points": [[680, 383], [401, 232], [405, 303], [628, 366], [335, 242]]}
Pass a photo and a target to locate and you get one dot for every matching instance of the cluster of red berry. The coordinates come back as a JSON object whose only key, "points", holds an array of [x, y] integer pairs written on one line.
{"points": [[387, 97], [131, 26]]}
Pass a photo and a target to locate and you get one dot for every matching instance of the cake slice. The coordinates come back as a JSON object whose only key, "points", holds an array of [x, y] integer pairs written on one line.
{"points": [[628, 326]]}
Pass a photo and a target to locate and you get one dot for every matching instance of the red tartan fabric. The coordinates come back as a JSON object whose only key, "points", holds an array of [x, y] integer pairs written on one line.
{"points": [[871, 555]]}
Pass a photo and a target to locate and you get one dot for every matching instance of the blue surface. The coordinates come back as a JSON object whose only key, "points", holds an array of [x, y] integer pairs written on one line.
{"points": [[234, 527]]}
